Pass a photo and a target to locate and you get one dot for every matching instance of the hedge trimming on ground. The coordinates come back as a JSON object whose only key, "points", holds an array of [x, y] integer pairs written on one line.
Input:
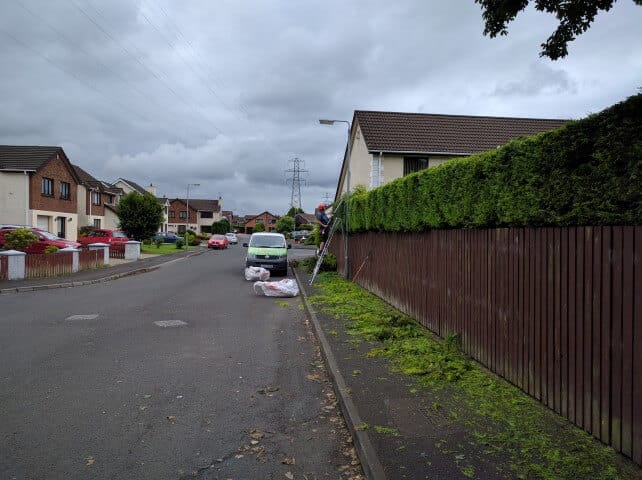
{"points": [[588, 172]]}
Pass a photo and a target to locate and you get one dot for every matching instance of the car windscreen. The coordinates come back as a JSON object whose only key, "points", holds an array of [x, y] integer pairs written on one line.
{"points": [[267, 241], [48, 235], [118, 235]]}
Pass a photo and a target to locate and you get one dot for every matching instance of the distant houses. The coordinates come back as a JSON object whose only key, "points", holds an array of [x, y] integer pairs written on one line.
{"points": [[40, 187]]}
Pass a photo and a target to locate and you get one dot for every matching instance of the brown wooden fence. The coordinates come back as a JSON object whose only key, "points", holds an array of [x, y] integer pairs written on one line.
{"points": [[117, 250], [90, 259], [555, 311], [4, 267], [39, 265]]}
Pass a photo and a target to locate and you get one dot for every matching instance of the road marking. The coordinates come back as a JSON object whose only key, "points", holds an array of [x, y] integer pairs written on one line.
{"points": [[93, 316], [170, 323]]}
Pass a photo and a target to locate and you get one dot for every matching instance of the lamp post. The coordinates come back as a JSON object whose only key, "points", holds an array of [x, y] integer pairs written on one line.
{"points": [[324, 121], [187, 213]]}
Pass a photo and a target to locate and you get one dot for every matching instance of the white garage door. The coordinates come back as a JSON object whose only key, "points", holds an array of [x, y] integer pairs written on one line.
{"points": [[43, 222]]}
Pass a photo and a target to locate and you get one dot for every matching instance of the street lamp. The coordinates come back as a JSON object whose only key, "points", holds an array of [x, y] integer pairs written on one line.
{"points": [[187, 213], [324, 121]]}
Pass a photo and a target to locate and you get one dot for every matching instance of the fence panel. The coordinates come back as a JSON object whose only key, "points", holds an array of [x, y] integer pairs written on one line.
{"points": [[39, 265], [90, 259], [4, 267], [117, 250], [556, 311]]}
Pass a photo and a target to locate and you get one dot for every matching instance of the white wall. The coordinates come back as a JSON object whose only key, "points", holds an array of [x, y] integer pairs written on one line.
{"points": [[14, 188]]}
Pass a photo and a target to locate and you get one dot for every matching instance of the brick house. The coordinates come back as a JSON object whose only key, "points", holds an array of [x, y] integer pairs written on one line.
{"points": [[266, 218], [202, 214], [39, 187], [388, 145], [96, 201]]}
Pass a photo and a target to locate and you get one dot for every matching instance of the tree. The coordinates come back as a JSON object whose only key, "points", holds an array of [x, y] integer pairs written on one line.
{"points": [[293, 211], [285, 224], [221, 227], [259, 227], [140, 215], [575, 17]]}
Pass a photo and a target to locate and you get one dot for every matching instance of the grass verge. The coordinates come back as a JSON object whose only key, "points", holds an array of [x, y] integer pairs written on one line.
{"points": [[502, 420], [165, 248]]}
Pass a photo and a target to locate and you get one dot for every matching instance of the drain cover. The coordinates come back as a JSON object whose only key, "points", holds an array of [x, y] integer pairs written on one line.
{"points": [[82, 317], [170, 323]]}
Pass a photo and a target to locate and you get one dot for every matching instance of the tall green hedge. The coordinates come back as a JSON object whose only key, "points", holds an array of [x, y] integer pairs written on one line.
{"points": [[588, 172]]}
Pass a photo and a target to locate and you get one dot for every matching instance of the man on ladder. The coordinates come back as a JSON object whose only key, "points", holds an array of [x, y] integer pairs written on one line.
{"points": [[324, 226], [326, 229]]}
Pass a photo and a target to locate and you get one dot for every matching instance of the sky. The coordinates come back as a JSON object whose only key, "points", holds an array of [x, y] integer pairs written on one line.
{"points": [[227, 94]]}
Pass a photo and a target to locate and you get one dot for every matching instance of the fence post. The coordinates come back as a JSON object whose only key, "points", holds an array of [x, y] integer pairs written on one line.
{"points": [[104, 247], [16, 264], [132, 250], [75, 264]]}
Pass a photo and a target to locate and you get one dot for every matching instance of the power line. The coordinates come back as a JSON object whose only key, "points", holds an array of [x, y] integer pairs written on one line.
{"points": [[72, 74], [156, 76]]}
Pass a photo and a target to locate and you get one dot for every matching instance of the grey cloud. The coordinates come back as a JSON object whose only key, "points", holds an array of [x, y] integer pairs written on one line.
{"points": [[225, 93]]}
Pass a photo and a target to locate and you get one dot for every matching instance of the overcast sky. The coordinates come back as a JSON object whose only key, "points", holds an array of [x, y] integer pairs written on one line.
{"points": [[227, 93]]}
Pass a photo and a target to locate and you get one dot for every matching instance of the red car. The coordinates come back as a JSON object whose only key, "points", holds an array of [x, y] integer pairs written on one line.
{"points": [[109, 237], [217, 241], [45, 239]]}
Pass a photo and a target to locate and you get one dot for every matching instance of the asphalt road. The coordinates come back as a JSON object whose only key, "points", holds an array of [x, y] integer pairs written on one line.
{"points": [[182, 372]]}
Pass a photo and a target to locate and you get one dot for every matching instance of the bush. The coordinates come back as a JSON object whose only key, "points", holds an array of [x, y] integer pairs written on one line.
{"points": [[588, 172], [329, 263], [20, 239], [148, 241], [180, 243], [158, 242], [83, 231], [51, 249]]}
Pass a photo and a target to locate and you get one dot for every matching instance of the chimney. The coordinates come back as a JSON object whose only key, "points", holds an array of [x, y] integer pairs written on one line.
{"points": [[151, 189]]}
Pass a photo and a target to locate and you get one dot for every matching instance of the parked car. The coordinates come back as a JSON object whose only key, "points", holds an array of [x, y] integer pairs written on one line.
{"points": [[300, 235], [232, 238], [268, 250], [104, 236], [12, 226], [45, 239], [167, 237], [217, 241]]}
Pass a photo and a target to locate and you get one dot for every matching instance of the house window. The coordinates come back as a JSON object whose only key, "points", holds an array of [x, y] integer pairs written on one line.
{"points": [[96, 222], [272, 221], [64, 191], [110, 199], [47, 187], [207, 214], [414, 164], [259, 220], [182, 214], [95, 198], [172, 214]]}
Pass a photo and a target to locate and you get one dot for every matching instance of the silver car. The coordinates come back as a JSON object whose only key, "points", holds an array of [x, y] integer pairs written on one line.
{"points": [[231, 238]]}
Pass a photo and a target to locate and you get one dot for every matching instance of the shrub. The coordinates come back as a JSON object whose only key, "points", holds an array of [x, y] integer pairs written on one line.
{"points": [[51, 249], [180, 243], [158, 242], [20, 239], [588, 172], [83, 231], [148, 241], [329, 263]]}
